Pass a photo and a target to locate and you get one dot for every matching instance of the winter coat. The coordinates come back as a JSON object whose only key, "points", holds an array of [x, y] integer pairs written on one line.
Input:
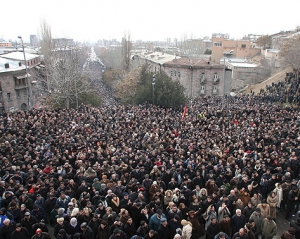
{"points": [[268, 229], [273, 204], [154, 222], [258, 219], [212, 230], [237, 223], [88, 233], [279, 195], [6, 231], [103, 233], [22, 234], [286, 235], [265, 211], [187, 231], [163, 232], [295, 225]]}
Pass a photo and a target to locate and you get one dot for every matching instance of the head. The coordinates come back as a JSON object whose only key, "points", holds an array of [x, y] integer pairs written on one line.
{"points": [[238, 212]]}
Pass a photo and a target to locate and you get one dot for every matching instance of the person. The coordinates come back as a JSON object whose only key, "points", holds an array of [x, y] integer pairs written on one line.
{"points": [[257, 217], [87, 232], [103, 231], [221, 235], [296, 225], [73, 227], [291, 202], [142, 230], [129, 228], [268, 228], [118, 234], [20, 232], [264, 208], [7, 229], [152, 235], [173, 225], [289, 234], [225, 225], [163, 232], [237, 221], [28, 221], [39, 234], [186, 229], [61, 224], [154, 221], [250, 233], [198, 230], [272, 200], [62, 234], [212, 229], [241, 234]]}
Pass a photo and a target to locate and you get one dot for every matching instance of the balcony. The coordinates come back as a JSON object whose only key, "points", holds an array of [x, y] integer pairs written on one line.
{"points": [[216, 81], [20, 87]]}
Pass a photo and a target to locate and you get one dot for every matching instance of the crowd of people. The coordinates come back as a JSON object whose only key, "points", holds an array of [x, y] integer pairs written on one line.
{"points": [[144, 172]]}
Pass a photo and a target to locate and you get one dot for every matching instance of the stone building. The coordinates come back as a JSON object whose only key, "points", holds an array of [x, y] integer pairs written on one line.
{"points": [[14, 83], [199, 77]]}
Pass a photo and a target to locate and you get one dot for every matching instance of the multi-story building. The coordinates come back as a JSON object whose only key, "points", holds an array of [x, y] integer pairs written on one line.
{"points": [[241, 48], [199, 77], [5, 44], [14, 82]]}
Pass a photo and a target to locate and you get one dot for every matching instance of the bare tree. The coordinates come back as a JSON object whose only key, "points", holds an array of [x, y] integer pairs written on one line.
{"points": [[126, 50], [66, 79], [264, 41]]}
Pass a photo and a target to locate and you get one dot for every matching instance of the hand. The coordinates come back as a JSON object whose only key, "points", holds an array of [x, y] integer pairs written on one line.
{"points": [[296, 198]]}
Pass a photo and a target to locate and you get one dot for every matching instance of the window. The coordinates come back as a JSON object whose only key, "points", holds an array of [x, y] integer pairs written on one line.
{"points": [[218, 43], [18, 94], [171, 73], [178, 73], [202, 78], [174, 73], [215, 89], [243, 46], [216, 77], [25, 92], [202, 89], [8, 97]]}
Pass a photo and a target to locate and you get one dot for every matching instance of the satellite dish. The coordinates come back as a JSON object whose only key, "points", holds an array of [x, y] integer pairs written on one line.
{"points": [[232, 94]]}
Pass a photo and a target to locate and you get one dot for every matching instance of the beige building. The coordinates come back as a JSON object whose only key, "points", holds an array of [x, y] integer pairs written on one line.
{"points": [[241, 48], [5, 44]]}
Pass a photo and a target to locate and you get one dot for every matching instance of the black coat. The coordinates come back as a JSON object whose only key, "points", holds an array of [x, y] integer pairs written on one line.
{"points": [[6, 231], [130, 230], [103, 233], [28, 224], [212, 230], [163, 232], [88, 233], [23, 233]]}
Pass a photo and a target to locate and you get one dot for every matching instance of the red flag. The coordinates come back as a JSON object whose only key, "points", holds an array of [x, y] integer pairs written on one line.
{"points": [[185, 110]]}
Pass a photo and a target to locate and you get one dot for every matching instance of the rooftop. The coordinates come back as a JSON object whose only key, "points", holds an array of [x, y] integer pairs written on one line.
{"points": [[12, 65], [19, 56]]}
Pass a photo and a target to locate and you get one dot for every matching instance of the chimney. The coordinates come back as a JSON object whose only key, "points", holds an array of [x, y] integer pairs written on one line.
{"points": [[20, 63], [6, 65]]}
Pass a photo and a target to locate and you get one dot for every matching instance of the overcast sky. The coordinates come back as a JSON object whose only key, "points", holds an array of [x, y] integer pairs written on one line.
{"points": [[90, 20]]}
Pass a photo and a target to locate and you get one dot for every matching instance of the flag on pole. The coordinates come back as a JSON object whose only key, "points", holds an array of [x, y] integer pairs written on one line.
{"points": [[185, 110]]}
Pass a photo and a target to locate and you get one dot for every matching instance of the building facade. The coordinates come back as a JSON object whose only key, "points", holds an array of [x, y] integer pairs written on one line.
{"points": [[241, 48], [14, 83], [199, 77]]}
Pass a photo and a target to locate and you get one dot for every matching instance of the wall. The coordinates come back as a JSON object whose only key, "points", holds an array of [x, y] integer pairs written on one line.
{"points": [[8, 86], [227, 45]]}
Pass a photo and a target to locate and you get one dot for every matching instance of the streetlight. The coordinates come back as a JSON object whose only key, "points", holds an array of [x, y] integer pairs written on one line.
{"points": [[153, 84], [28, 82]]}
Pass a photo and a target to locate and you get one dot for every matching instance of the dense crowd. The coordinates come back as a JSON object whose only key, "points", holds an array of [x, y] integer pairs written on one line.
{"points": [[122, 172]]}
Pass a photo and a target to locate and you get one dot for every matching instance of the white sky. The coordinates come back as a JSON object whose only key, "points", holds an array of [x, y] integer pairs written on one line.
{"points": [[90, 20]]}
